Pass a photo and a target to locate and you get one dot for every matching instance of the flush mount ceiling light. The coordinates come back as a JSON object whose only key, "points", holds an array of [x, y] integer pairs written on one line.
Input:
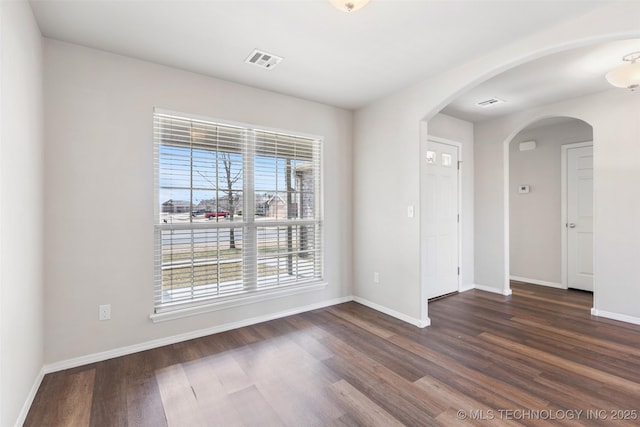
{"points": [[627, 75], [349, 5]]}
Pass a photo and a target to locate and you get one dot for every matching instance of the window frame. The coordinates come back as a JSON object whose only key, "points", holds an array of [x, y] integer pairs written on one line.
{"points": [[251, 292]]}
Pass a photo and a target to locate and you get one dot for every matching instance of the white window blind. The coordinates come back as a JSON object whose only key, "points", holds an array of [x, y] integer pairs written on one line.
{"points": [[237, 211]]}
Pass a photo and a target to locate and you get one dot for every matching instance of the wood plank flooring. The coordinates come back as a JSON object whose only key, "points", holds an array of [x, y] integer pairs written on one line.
{"points": [[535, 358]]}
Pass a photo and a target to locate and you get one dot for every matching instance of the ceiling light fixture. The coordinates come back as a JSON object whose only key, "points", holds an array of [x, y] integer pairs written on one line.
{"points": [[627, 75], [349, 5]]}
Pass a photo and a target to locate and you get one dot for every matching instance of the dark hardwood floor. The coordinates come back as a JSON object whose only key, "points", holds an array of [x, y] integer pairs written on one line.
{"points": [[535, 358]]}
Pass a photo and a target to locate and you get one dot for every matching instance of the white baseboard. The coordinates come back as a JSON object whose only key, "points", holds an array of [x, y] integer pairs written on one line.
{"points": [[492, 290], [148, 345], [616, 316], [29, 400], [466, 287], [393, 313], [537, 282], [123, 351]]}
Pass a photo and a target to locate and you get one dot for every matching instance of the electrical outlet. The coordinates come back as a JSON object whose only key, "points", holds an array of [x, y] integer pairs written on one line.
{"points": [[104, 312], [376, 277]]}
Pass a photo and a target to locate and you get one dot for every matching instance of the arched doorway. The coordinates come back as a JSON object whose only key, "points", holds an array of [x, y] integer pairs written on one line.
{"points": [[549, 196], [494, 272]]}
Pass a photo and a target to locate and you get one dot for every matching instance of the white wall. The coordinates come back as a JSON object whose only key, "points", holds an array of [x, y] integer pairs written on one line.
{"points": [[460, 131], [387, 141], [21, 197], [386, 165], [535, 220], [99, 193], [615, 117]]}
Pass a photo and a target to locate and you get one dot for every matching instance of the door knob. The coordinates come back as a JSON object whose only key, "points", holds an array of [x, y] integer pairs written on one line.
{"points": [[572, 225]]}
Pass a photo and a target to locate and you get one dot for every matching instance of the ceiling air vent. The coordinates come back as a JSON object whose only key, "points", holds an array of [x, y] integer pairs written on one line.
{"points": [[489, 102], [263, 59]]}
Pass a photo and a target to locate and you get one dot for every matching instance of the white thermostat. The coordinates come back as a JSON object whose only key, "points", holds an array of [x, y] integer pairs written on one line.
{"points": [[523, 189]]}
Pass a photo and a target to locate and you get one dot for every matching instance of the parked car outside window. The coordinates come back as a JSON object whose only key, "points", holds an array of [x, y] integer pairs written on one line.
{"points": [[210, 215]]}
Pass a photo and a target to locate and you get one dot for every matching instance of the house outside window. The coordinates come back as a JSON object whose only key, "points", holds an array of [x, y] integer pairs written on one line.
{"points": [[238, 211]]}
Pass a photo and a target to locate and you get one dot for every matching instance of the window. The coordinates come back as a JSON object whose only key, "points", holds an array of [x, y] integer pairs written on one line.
{"points": [[431, 157], [237, 214], [446, 159]]}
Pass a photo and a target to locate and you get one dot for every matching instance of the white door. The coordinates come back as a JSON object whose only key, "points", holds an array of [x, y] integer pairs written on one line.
{"points": [[579, 223], [441, 219]]}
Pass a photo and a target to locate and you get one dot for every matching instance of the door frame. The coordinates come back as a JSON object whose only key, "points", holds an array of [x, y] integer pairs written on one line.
{"points": [[460, 165], [563, 212]]}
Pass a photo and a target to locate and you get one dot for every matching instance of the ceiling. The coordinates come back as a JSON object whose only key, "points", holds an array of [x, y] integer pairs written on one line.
{"points": [[346, 60], [550, 79]]}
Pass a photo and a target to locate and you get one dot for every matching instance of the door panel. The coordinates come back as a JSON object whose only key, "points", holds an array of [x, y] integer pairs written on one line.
{"points": [[431, 253], [441, 219], [580, 218]]}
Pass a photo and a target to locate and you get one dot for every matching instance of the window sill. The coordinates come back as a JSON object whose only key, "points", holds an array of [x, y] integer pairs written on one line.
{"points": [[240, 300]]}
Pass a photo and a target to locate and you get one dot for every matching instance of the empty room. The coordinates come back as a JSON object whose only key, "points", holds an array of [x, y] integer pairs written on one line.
{"points": [[319, 212]]}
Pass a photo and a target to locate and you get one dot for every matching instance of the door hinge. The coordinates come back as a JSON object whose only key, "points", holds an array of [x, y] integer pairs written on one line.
{"points": [[459, 164], [458, 271], [458, 218]]}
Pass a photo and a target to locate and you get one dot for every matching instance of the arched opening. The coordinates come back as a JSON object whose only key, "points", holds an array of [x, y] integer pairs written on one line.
{"points": [[497, 275], [549, 201]]}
